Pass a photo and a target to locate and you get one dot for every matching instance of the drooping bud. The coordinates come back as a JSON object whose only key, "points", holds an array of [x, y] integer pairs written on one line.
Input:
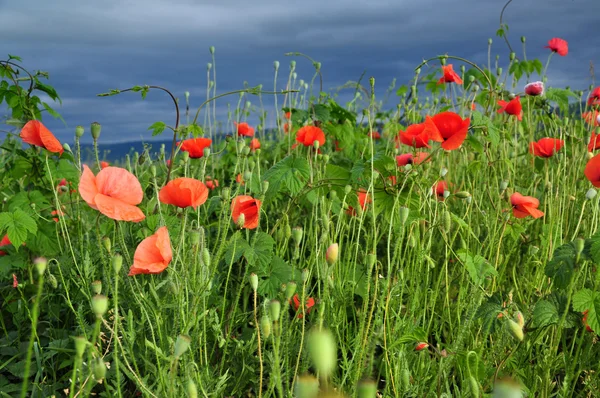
{"points": [[474, 385], [520, 319], [404, 211], [421, 346], [107, 243], [99, 305], [323, 351], [95, 129], [182, 344], [206, 259], [332, 253], [67, 147], [515, 329], [52, 281], [462, 194]]}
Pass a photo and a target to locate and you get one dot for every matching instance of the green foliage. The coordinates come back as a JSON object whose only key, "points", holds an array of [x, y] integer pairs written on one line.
{"points": [[288, 175], [17, 225], [588, 300]]}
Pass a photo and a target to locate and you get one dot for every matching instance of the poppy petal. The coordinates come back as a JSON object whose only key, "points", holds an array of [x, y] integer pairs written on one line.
{"points": [[30, 133], [87, 186], [117, 209], [120, 184]]}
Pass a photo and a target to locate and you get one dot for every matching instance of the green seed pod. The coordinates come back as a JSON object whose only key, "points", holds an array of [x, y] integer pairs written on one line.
{"points": [[99, 369], [99, 305], [297, 233], [182, 344], [95, 129], [323, 351], [97, 287], [265, 326], [192, 390], [79, 131], [275, 310]]}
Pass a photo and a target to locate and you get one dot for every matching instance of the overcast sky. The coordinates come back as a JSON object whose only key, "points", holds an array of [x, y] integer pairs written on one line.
{"points": [[92, 47]]}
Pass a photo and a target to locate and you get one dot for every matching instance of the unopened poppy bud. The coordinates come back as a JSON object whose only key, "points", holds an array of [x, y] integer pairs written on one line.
{"points": [[462, 194], [515, 330], [99, 305], [520, 319], [489, 42], [475, 88], [304, 275], [446, 221], [276, 65], [332, 253], [317, 65], [316, 144], [275, 309], [247, 175], [589, 155], [192, 390], [297, 233], [265, 326], [292, 64], [290, 289], [443, 60], [443, 172], [182, 344], [40, 265], [241, 220], [67, 147], [307, 386], [95, 129], [195, 238], [446, 194], [80, 344], [404, 211], [474, 385], [579, 246], [117, 262], [211, 49], [52, 281], [499, 71], [471, 78], [512, 56], [323, 351], [421, 346], [97, 287], [523, 39], [245, 150], [185, 157], [206, 257], [591, 194], [347, 189], [107, 243], [503, 185], [367, 389], [79, 131], [99, 369], [254, 281], [265, 186], [63, 188]]}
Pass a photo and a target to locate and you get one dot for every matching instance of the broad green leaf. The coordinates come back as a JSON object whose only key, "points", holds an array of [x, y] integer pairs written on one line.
{"points": [[477, 267], [275, 274], [157, 128], [588, 300], [545, 314], [16, 225], [561, 267], [291, 173], [261, 252]]}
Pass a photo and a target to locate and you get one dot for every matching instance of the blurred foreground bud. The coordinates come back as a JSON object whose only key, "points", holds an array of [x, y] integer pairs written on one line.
{"points": [[323, 351], [591, 194], [307, 386], [192, 390], [99, 305], [40, 265], [367, 389], [265, 326]]}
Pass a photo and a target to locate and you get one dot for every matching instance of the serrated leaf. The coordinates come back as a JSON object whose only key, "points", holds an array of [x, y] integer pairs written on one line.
{"points": [[561, 267], [477, 267], [545, 314], [588, 300], [594, 248], [321, 112], [157, 128], [16, 225], [275, 274], [261, 251], [291, 173], [488, 312]]}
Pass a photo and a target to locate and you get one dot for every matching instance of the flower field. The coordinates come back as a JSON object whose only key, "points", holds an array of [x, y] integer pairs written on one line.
{"points": [[443, 243]]}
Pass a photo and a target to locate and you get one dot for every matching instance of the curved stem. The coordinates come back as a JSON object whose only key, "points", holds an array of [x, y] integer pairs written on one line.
{"points": [[504, 35]]}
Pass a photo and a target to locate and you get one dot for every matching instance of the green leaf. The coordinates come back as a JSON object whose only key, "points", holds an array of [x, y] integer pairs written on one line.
{"points": [[157, 128], [291, 173], [16, 225], [594, 248], [545, 314], [488, 312], [275, 274], [477, 267], [261, 252], [588, 300], [562, 265], [321, 113]]}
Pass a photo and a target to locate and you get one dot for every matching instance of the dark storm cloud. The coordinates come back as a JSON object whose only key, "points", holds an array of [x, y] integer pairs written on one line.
{"points": [[91, 47]]}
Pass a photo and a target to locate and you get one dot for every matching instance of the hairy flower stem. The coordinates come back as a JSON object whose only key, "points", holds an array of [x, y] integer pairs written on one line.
{"points": [[34, 320]]}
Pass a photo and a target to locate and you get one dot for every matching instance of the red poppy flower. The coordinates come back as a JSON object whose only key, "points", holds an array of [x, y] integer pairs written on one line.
{"points": [[421, 346], [594, 142], [513, 107], [592, 171], [392, 179], [239, 179], [375, 134], [584, 320], [115, 192], [58, 213], [195, 146], [559, 46], [534, 89], [546, 147], [286, 127], [449, 75], [254, 144], [310, 302], [211, 183], [363, 200], [409, 158], [288, 115], [35, 133], [524, 206], [168, 162], [594, 98], [439, 188], [592, 118], [4, 242], [244, 129], [419, 135], [184, 192], [104, 164], [453, 129], [249, 207], [153, 254], [473, 106], [307, 135]]}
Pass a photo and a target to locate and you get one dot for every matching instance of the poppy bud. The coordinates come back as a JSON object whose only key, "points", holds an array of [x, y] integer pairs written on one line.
{"points": [[520, 319], [106, 243], [254, 281], [443, 172], [182, 344], [288, 231], [247, 174], [474, 386], [446, 221], [209, 67], [371, 259], [421, 346], [367, 389], [245, 151], [590, 155], [317, 65], [523, 39], [499, 71], [192, 390], [323, 351], [40, 265], [591, 194], [185, 157], [117, 262], [462, 194], [99, 305], [97, 287], [67, 147], [290, 289], [512, 56], [579, 245], [316, 144], [503, 185], [265, 186], [225, 192], [276, 65], [332, 253], [99, 369], [275, 309], [534, 89], [489, 42], [347, 189], [63, 188], [446, 193], [306, 386], [206, 257], [251, 164], [297, 234], [241, 220], [52, 281], [80, 344], [515, 330], [95, 129], [405, 378], [265, 326], [292, 64], [79, 131]]}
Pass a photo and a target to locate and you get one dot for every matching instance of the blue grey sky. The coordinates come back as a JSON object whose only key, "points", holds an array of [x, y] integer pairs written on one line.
{"points": [[92, 47]]}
